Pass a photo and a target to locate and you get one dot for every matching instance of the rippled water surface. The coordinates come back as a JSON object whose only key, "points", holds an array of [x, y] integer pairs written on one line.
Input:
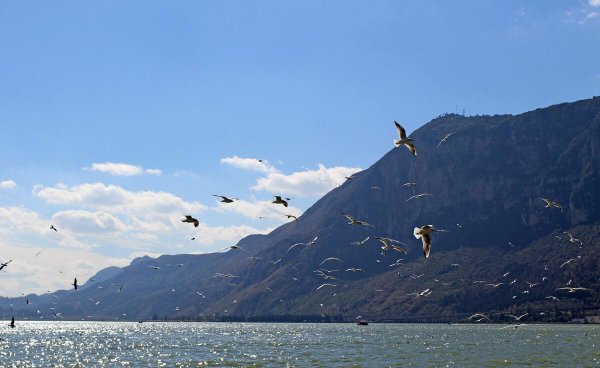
{"points": [[86, 344]]}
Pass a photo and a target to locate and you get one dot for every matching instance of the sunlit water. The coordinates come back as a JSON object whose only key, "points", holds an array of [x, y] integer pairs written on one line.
{"points": [[87, 344]]}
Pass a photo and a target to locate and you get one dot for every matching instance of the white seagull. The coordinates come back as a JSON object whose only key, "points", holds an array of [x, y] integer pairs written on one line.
{"points": [[354, 221], [551, 203], [407, 142], [445, 138], [423, 233], [419, 196]]}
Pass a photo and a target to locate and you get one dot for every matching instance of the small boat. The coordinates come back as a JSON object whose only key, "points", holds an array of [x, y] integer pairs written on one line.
{"points": [[362, 322]]}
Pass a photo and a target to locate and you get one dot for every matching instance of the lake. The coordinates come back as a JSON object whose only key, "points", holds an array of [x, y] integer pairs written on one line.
{"points": [[172, 344]]}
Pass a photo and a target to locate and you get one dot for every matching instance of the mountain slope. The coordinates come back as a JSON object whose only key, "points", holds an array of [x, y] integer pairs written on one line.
{"points": [[487, 178]]}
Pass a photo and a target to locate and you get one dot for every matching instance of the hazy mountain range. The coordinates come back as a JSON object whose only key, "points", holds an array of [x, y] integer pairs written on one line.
{"points": [[485, 182]]}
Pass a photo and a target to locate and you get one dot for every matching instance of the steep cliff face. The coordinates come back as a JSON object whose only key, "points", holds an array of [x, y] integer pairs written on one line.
{"points": [[485, 183]]}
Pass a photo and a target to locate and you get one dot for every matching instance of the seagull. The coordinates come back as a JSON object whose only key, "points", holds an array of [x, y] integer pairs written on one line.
{"points": [[225, 275], [375, 188], [75, 283], [506, 274], [354, 221], [191, 220], [423, 233], [330, 259], [481, 315], [354, 270], [225, 199], [573, 290], [38, 253], [53, 228], [445, 138], [233, 247], [418, 196], [495, 285], [553, 298], [323, 285], [407, 142], [201, 294], [409, 184], [531, 284], [275, 262], [309, 243], [359, 243], [455, 265], [517, 318], [12, 323], [572, 239], [292, 216], [387, 245], [254, 258], [350, 177], [5, 264], [58, 315], [278, 200], [155, 267], [550, 203], [567, 262]]}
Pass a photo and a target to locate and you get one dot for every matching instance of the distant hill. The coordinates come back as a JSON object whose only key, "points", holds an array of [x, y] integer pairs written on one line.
{"points": [[485, 183]]}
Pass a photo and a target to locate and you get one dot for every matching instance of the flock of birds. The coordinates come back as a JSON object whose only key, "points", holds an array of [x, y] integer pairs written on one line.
{"points": [[387, 244]]}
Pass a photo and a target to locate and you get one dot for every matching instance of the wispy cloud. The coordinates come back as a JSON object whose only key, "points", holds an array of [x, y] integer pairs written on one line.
{"points": [[308, 183], [113, 198], [121, 169], [249, 164], [8, 184], [594, 2]]}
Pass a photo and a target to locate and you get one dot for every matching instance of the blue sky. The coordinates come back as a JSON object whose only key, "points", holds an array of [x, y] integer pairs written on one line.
{"points": [[196, 91]]}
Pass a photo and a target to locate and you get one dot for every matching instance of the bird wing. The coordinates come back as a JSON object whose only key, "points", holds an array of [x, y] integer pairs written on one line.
{"points": [[349, 217], [401, 130], [426, 244], [411, 147], [294, 245]]}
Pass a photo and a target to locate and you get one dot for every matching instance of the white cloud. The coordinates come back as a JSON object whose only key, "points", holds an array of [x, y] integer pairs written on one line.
{"points": [[309, 183], [115, 199], [31, 274], [122, 169], [594, 2], [249, 164], [85, 222], [8, 184]]}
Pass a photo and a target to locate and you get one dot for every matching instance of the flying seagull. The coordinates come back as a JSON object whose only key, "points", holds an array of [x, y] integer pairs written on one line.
{"points": [[309, 243], [323, 285], [233, 247], [572, 239], [573, 290], [53, 228], [191, 220], [407, 142], [292, 216], [75, 283], [418, 196], [517, 318], [423, 233], [553, 298], [567, 262], [278, 200], [359, 243], [551, 203], [5, 264], [445, 138], [409, 184], [480, 315], [387, 245], [354, 221], [330, 259], [225, 199]]}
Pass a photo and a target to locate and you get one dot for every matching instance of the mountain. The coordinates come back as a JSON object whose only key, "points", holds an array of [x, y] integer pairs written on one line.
{"points": [[485, 183]]}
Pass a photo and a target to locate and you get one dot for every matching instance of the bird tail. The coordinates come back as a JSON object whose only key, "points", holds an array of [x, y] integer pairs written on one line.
{"points": [[417, 232]]}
